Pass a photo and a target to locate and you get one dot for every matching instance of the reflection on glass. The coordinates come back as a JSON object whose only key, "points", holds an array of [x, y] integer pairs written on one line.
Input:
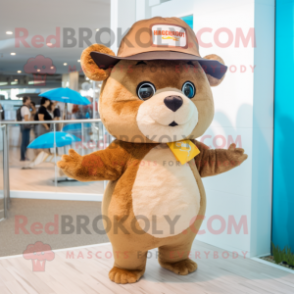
{"points": [[40, 172], [37, 172], [92, 138]]}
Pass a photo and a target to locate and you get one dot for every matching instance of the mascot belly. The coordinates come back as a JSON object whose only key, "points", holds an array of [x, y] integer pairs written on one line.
{"points": [[164, 191]]}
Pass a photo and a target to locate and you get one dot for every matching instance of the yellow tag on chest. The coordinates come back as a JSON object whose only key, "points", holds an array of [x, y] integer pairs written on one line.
{"points": [[184, 151]]}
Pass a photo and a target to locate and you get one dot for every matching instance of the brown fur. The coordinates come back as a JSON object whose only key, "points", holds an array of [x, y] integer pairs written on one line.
{"points": [[119, 101], [91, 70], [214, 162], [130, 249], [120, 162], [213, 81]]}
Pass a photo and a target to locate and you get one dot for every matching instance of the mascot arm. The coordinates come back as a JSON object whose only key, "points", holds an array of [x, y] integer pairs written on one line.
{"points": [[213, 162], [108, 164]]}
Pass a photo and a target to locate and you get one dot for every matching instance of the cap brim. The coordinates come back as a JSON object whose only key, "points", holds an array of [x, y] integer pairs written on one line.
{"points": [[212, 67]]}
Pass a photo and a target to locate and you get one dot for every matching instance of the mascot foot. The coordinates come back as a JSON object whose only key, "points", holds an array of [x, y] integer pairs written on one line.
{"points": [[122, 276], [183, 267]]}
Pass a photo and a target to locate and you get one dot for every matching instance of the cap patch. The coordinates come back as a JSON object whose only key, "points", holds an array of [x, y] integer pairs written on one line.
{"points": [[169, 36]]}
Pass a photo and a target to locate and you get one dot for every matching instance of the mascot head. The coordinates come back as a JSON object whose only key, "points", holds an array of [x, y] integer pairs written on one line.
{"points": [[157, 89]]}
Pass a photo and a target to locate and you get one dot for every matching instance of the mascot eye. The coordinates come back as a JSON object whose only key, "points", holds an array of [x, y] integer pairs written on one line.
{"points": [[145, 91], [189, 89]]}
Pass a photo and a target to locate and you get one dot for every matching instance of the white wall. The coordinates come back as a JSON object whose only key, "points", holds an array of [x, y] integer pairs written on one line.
{"points": [[125, 12], [243, 113], [143, 9], [263, 101], [122, 16]]}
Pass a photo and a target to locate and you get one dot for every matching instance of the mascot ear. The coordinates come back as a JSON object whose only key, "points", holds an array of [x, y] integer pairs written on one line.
{"points": [[212, 80], [90, 68]]}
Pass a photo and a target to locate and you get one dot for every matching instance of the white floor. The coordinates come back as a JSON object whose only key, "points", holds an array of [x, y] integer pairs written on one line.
{"points": [[73, 271]]}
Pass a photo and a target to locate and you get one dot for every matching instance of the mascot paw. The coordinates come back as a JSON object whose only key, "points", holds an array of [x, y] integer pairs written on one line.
{"points": [[122, 276], [183, 267], [70, 163], [237, 154]]}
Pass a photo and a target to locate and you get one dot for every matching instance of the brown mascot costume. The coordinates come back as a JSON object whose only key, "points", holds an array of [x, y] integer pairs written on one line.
{"points": [[155, 100]]}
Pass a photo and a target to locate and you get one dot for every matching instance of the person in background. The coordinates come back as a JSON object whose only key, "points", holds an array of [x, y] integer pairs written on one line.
{"points": [[50, 109], [2, 115], [34, 109], [33, 113], [25, 131], [54, 111], [43, 115]]}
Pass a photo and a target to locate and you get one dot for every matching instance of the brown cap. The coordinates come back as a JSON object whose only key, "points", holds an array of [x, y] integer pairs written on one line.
{"points": [[160, 39]]}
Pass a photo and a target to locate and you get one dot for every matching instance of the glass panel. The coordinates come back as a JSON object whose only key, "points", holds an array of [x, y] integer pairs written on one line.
{"points": [[64, 183], [90, 137], [1, 174], [37, 173]]}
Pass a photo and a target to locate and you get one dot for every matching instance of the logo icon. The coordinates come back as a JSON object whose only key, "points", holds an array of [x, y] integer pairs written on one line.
{"points": [[40, 67], [169, 36], [184, 150], [39, 253], [184, 147]]}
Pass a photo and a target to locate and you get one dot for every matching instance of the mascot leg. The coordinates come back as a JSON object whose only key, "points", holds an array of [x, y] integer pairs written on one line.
{"points": [[129, 266], [176, 258]]}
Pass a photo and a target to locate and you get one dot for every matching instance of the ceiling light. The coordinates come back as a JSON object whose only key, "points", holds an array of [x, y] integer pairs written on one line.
{"points": [[19, 71], [35, 82], [97, 30], [79, 60], [12, 53], [9, 33], [65, 64]]}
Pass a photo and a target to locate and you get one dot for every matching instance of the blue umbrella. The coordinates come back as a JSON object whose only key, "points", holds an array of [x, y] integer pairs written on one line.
{"points": [[66, 95], [75, 127], [47, 140]]}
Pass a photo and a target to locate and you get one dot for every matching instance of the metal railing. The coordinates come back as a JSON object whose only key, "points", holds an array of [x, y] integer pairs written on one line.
{"points": [[6, 188], [72, 121], [4, 128]]}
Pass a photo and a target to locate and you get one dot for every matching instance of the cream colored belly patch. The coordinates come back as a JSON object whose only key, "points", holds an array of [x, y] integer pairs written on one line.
{"points": [[164, 192]]}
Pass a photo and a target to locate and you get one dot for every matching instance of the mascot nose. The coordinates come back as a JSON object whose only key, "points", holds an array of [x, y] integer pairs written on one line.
{"points": [[173, 102]]}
